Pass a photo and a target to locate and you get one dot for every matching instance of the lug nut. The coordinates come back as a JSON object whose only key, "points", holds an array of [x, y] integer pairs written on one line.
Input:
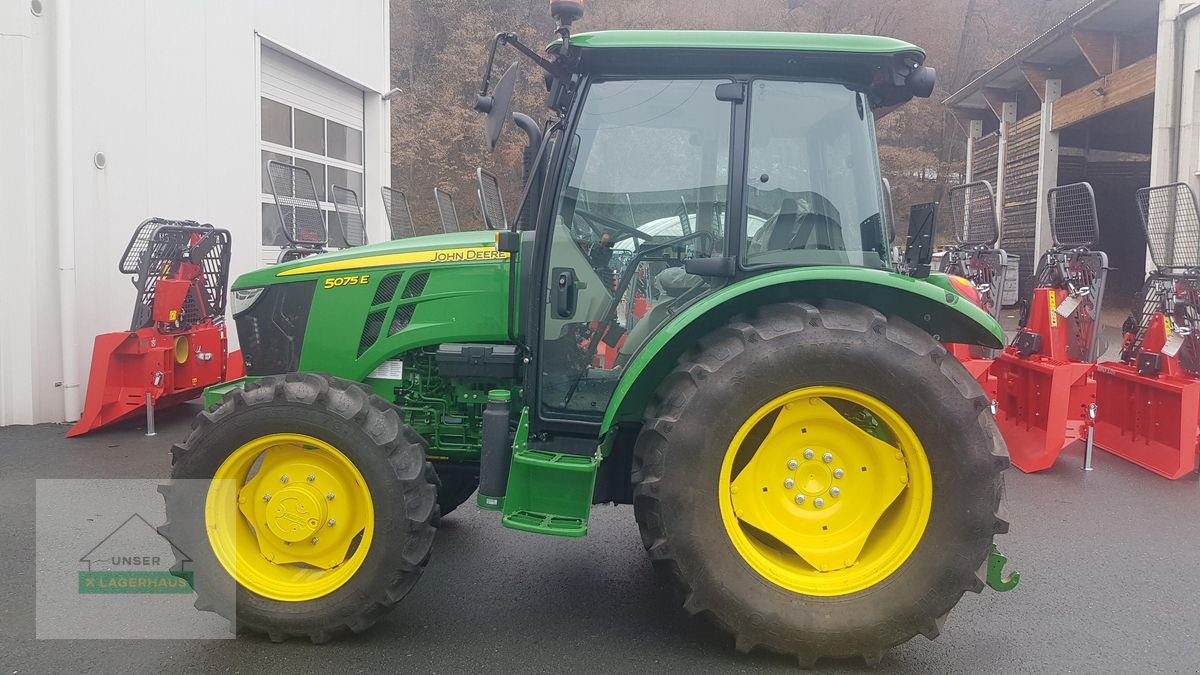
{"points": [[283, 478], [313, 541], [793, 464], [267, 497], [332, 521], [789, 483], [329, 497], [799, 499], [827, 457], [838, 473], [833, 492], [818, 502], [310, 478], [808, 453]]}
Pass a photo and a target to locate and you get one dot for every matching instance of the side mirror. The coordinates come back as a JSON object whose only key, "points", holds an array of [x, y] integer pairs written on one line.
{"points": [[497, 106], [918, 249], [921, 81]]}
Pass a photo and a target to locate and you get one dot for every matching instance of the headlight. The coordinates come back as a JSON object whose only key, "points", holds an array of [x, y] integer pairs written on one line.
{"points": [[243, 299]]}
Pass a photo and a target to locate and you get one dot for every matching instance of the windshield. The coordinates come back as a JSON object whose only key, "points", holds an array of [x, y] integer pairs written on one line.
{"points": [[652, 156], [813, 177]]}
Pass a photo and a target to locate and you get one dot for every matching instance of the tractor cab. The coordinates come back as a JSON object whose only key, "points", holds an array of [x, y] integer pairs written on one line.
{"points": [[676, 163]]}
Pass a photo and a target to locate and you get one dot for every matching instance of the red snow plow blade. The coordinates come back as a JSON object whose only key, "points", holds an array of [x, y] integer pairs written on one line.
{"points": [[1150, 422], [1041, 407], [127, 366]]}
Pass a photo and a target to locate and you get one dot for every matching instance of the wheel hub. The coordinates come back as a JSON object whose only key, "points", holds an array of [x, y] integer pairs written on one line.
{"points": [[822, 487], [296, 513], [813, 477]]}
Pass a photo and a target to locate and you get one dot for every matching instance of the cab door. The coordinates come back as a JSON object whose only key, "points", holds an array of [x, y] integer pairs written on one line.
{"points": [[644, 185]]}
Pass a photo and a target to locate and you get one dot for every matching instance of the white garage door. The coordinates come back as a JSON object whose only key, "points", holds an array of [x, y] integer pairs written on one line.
{"points": [[314, 121]]}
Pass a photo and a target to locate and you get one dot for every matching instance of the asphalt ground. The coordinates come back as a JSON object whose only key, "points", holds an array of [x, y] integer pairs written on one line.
{"points": [[1108, 562]]}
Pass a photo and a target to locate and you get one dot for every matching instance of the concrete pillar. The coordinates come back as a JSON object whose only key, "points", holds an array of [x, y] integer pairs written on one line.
{"points": [[1008, 117], [974, 133], [1047, 166]]}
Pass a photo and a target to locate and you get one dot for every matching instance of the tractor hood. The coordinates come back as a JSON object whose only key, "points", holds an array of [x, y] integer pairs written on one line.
{"points": [[456, 247]]}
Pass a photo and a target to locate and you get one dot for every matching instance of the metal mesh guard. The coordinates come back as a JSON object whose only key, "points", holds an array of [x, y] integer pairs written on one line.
{"points": [[491, 202], [135, 250], [349, 215], [296, 198], [1073, 220], [973, 214], [1172, 225], [395, 204], [446, 210]]}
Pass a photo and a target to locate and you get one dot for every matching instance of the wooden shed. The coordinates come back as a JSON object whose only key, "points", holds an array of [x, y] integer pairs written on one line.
{"points": [[1076, 104]]}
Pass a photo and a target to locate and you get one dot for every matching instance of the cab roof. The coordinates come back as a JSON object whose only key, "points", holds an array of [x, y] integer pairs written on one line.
{"points": [[742, 40]]}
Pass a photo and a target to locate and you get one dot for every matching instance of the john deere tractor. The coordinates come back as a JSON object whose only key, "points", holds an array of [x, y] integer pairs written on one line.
{"points": [[694, 311]]}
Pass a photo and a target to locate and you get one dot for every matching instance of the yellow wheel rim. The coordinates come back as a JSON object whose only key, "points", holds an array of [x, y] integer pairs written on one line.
{"points": [[289, 517], [825, 491]]}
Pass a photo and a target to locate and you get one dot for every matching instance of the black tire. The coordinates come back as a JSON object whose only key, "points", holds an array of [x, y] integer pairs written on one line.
{"points": [[752, 360], [456, 488], [369, 431]]}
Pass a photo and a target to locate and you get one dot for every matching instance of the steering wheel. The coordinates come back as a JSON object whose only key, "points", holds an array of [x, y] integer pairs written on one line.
{"points": [[595, 222]]}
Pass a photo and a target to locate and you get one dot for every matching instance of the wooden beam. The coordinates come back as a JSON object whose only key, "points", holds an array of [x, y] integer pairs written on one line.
{"points": [[1099, 48], [1120, 88], [996, 99], [1037, 76]]}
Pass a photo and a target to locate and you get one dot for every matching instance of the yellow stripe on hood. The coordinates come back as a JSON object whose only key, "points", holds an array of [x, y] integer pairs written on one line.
{"points": [[444, 255]]}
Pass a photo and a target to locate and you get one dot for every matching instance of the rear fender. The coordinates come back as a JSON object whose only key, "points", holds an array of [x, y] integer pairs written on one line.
{"points": [[929, 304]]}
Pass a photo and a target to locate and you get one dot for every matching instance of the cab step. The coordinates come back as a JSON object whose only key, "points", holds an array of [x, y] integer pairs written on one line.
{"points": [[550, 492]]}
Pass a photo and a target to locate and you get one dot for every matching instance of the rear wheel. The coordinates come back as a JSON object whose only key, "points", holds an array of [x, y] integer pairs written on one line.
{"points": [[311, 510], [824, 483]]}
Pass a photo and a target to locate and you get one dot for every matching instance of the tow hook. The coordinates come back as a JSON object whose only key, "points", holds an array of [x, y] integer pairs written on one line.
{"points": [[995, 572]]}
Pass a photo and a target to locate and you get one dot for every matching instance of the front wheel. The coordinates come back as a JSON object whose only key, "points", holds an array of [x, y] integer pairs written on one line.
{"points": [[302, 506], [824, 483]]}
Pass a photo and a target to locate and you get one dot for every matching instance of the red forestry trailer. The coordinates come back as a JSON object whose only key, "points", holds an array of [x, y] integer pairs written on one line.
{"points": [[1044, 384], [1148, 403]]}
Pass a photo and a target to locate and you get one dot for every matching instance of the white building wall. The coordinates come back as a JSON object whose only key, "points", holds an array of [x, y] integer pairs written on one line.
{"points": [[168, 92]]}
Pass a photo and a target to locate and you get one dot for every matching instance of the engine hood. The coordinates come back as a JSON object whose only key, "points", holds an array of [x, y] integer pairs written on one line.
{"points": [[456, 247]]}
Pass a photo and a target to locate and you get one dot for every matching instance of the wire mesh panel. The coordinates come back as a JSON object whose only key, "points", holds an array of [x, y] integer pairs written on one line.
{"points": [[349, 215], [1073, 219], [400, 220], [1172, 225], [296, 199], [135, 250], [446, 210], [490, 201], [184, 250], [972, 214]]}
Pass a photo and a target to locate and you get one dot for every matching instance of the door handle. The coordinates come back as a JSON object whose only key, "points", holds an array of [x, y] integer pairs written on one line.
{"points": [[565, 293]]}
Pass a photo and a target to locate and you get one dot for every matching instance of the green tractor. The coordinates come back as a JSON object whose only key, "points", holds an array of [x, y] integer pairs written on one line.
{"points": [[695, 311]]}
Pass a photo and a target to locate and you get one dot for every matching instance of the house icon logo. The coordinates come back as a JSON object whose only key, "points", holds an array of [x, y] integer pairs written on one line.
{"points": [[134, 559]]}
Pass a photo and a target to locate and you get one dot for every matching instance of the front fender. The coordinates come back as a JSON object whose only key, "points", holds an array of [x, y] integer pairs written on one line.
{"points": [[929, 304]]}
